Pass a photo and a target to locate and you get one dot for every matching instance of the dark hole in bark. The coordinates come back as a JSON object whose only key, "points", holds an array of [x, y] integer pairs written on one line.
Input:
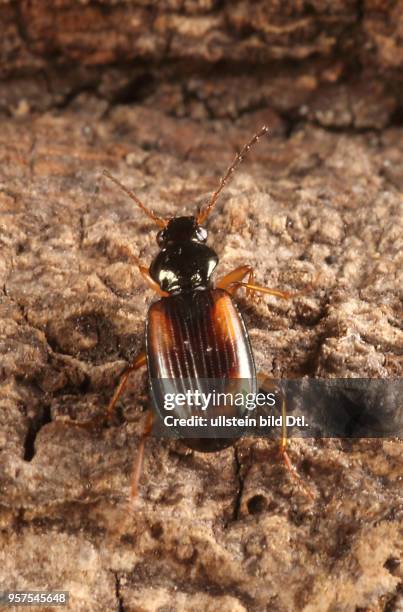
{"points": [[157, 531], [391, 564], [256, 504], [34, 427]]}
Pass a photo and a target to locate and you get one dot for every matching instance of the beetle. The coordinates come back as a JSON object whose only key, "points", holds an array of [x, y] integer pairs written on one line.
{"points": [[194, 330]]}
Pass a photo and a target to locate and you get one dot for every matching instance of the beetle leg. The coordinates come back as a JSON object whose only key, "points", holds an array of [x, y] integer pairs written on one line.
{"points": [[145, 273], [139, 362], [232, 277], [138, 462], [234, 281], [265, 383], [251, 287], [251, 280], [231, 280], [283, 453], [99, 419], [151, 282]]}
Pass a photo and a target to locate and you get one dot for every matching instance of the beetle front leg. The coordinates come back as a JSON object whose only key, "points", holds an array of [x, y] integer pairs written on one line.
{"points": [[234, 281], [145, 273], [151, 282], [231, 280]]}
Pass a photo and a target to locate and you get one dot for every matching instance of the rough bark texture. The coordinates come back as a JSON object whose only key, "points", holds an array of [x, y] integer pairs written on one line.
{"points": [[162, 94]]}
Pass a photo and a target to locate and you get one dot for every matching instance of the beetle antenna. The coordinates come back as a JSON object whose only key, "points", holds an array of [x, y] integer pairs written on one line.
{"points": [[150, 213], [204, 212]]}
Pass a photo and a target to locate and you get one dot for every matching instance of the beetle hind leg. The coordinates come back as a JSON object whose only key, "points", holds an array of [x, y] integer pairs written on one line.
{"points": [[107, 415], [139, 460], [284, 455], [138, 362], [269, 385]]}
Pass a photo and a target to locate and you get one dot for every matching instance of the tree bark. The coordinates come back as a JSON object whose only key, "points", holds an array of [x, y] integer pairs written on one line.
{"points": [[162, 95]]}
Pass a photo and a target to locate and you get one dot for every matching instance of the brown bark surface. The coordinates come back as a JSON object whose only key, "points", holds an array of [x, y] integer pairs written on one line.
{"points": [[163, 94]]}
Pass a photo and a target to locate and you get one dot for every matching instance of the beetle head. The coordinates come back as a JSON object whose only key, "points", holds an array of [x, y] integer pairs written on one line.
{"points": [[181, 229]]}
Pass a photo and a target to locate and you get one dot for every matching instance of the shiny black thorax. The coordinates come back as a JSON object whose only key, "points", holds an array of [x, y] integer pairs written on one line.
{"points": [[184, 263]]}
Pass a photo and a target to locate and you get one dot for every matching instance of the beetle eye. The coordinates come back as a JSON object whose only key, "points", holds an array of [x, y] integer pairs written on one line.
{"points": [[161, 237], [201, 234]]}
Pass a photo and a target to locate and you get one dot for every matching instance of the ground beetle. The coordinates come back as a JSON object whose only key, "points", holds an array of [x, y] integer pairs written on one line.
{"points": [[194, 329]]}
